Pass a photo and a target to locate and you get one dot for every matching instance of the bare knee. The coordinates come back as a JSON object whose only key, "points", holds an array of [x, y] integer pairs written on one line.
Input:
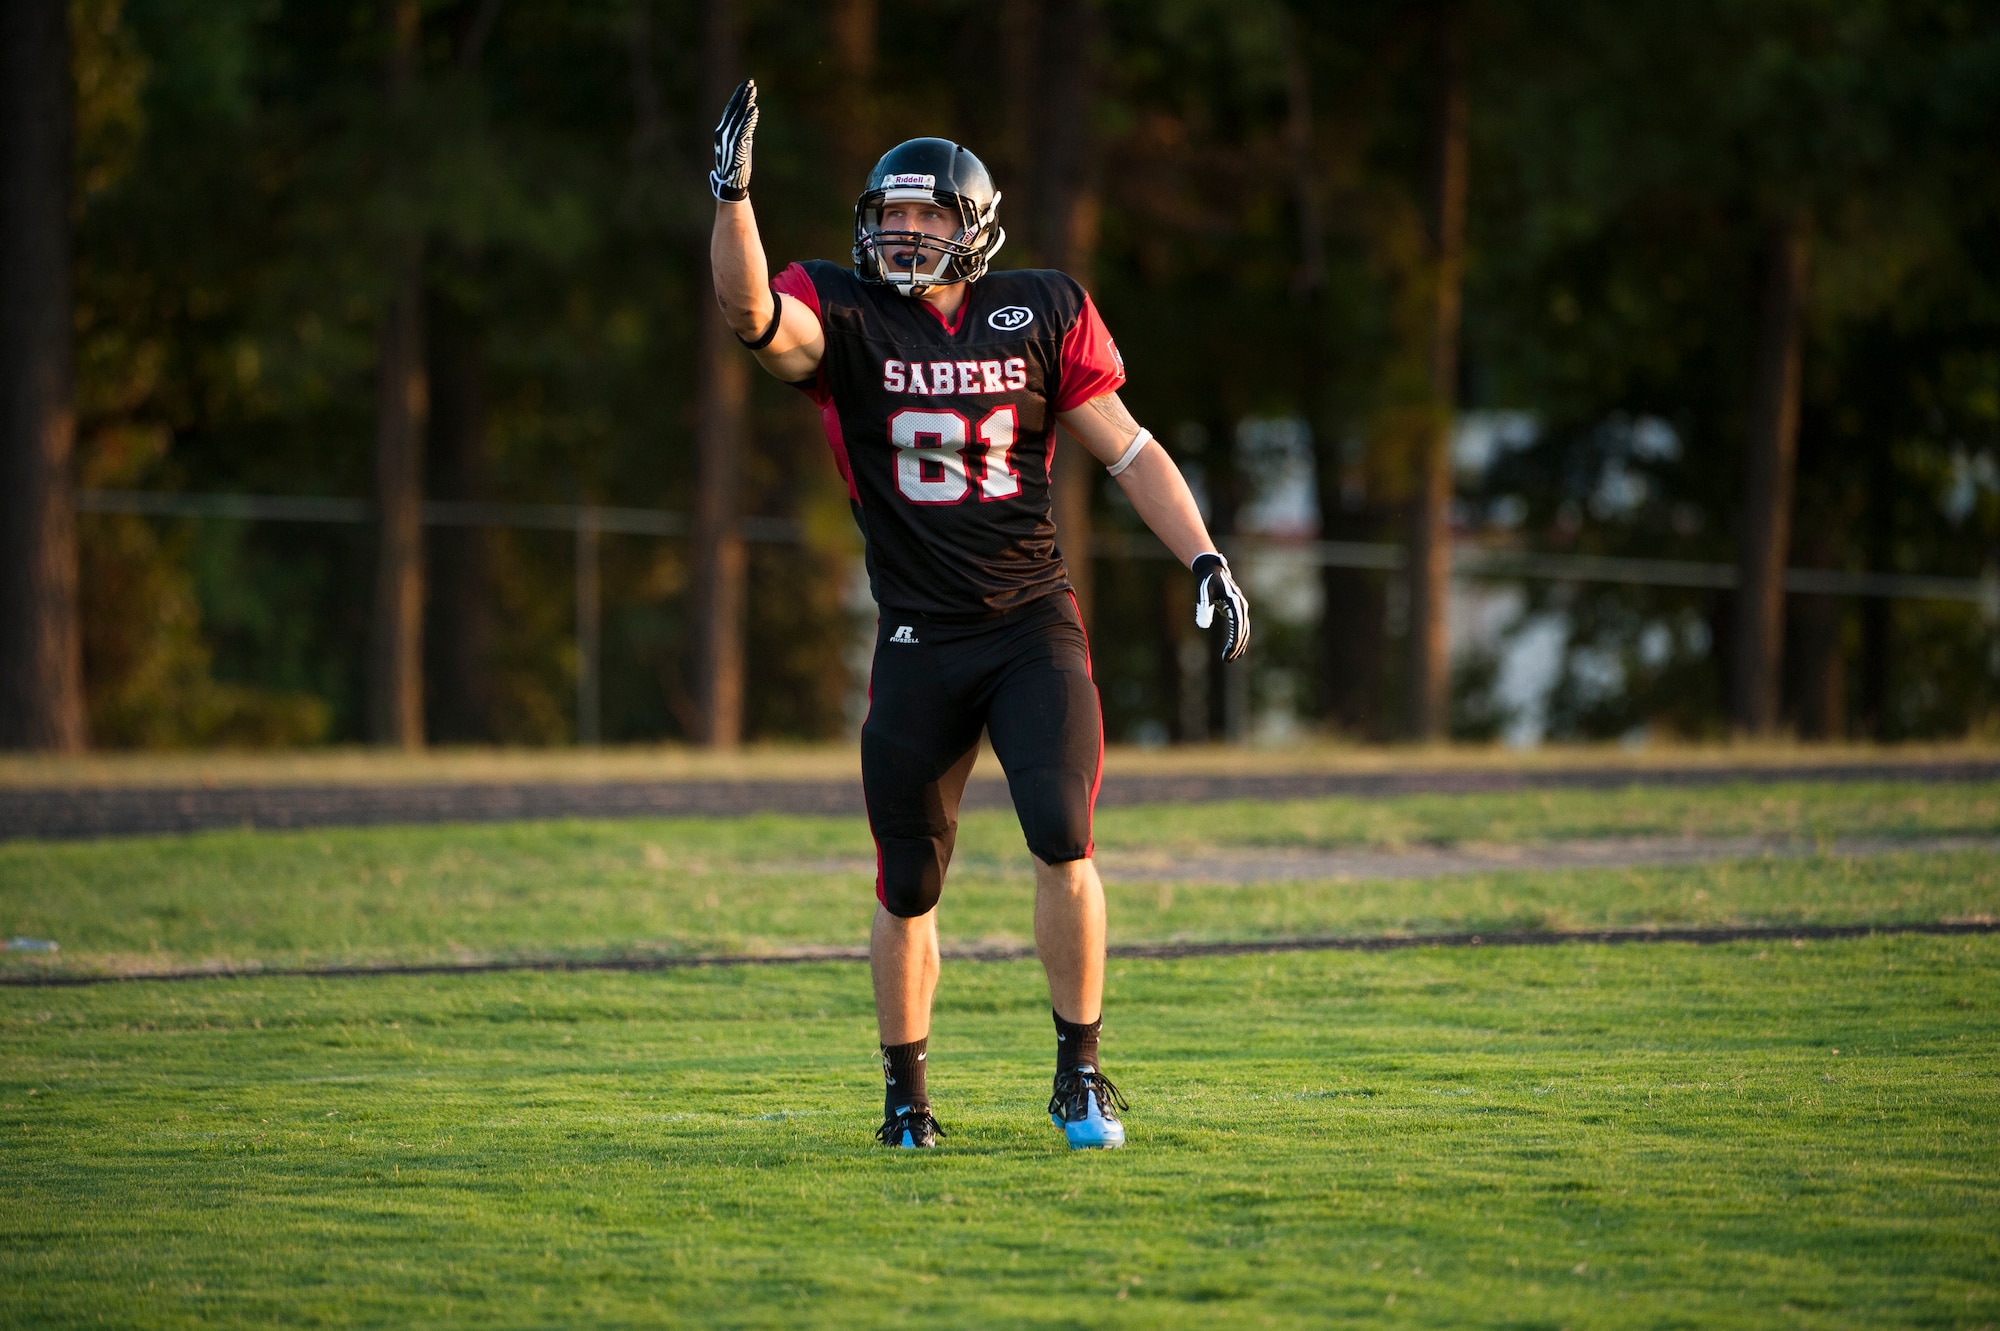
{"points": [[905, 930], [1066, 877]]}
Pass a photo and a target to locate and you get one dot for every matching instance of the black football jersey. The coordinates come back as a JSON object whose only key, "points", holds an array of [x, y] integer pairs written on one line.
{"points": [[945, 434]]}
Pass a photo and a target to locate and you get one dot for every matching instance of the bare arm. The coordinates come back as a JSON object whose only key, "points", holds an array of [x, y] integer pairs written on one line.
{"points": [[1152, 482], [743, 290]]}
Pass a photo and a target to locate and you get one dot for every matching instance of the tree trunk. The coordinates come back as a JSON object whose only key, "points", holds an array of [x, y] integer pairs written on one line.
{"points": [[1182, 658], [589, 635], [1311, 282], [1876, 718], [722, 403], [1065, 232], [1353, 617], [852, 29], [460, 631], [1816, 650], [1013, 162], [396, 691], [41, 654], [719, 558], [1227, 680], [1822, 667], [649, 125], [1351, 601], [396, 675], [1770, 464], [459, 619], [1429, 640]]}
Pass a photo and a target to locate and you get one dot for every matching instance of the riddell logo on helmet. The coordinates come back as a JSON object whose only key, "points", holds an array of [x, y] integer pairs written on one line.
{"points": [[910, 182]]}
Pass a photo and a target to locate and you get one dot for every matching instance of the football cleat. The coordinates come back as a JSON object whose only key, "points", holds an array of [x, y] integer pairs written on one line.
{"points": [[1085, 1106], [910, 1129]]}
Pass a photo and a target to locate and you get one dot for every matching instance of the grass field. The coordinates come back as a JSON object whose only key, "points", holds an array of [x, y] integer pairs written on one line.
{"points": [[687, 886], [1660, 1135], [1636, 1136]]}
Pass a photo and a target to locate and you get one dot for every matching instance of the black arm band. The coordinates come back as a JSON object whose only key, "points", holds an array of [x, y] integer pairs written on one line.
{"points": [[764, 338]]}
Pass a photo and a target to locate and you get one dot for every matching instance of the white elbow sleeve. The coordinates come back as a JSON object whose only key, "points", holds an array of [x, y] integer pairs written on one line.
{"points": [[1132, 451]]}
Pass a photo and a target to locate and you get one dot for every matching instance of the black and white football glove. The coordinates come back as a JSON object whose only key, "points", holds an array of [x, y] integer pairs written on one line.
{"points": [[1215, 589], [730, 180]]}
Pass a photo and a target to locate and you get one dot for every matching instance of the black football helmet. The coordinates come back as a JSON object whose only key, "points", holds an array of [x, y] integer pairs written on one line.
{"points": [[934, 170]]}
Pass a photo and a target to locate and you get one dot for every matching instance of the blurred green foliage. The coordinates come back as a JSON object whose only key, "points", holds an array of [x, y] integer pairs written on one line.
{"points": [[241, 180]]}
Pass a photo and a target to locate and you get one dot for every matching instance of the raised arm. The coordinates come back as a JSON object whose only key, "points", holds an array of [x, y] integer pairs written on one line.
{"points": [[1163, 501], [743, 290], [792, 348]]}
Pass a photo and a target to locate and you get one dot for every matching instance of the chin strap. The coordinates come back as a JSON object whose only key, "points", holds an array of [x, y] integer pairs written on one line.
{"points": [[1132, 451], [916, 290], [916, 282]]}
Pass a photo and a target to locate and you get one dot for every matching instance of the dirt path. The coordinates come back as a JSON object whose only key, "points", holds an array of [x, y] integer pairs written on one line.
{"points": [[1244, 865], [1797, 935], [1256, 865], [96, 811]]}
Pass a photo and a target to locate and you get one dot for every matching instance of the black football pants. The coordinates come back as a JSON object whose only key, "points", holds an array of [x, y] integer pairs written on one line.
{"points": [[1023, 677]]}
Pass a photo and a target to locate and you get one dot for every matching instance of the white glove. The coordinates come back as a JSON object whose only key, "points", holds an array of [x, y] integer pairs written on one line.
{"points": [[1214, 587], [730, 180]]}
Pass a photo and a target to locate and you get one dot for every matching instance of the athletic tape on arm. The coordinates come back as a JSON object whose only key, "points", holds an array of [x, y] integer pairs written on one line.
{"points": [[1131, 454]]}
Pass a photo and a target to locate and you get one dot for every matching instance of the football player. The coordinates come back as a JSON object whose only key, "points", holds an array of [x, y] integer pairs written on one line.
{"points": [[940, 384]]}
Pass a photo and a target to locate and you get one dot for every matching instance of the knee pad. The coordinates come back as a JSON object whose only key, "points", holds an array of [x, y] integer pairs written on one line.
{"points": [[1054, 808], [911, 877], [913, 813]]}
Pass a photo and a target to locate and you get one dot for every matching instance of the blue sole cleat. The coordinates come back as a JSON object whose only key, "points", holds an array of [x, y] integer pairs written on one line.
{"points": [[909, 1130], [1085, 1106]]}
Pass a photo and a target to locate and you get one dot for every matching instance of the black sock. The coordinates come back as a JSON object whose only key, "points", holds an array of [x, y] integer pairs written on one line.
{"points": [[1076, 1045], [903, 1077]]}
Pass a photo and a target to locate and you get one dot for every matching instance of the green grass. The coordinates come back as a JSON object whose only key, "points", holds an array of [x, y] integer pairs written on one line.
{"points": [[1581, 1136], [381, 895], [1803, 810]]}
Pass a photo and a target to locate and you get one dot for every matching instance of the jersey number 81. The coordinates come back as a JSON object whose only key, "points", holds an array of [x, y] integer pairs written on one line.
{"points": [[930, 455]]}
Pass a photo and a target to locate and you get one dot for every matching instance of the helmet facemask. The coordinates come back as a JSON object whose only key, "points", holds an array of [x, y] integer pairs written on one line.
{"points": [[935, 260]]}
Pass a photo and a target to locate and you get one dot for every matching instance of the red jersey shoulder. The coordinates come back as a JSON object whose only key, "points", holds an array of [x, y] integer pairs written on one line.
{"points": [[796, 283], [1091, 365]]}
